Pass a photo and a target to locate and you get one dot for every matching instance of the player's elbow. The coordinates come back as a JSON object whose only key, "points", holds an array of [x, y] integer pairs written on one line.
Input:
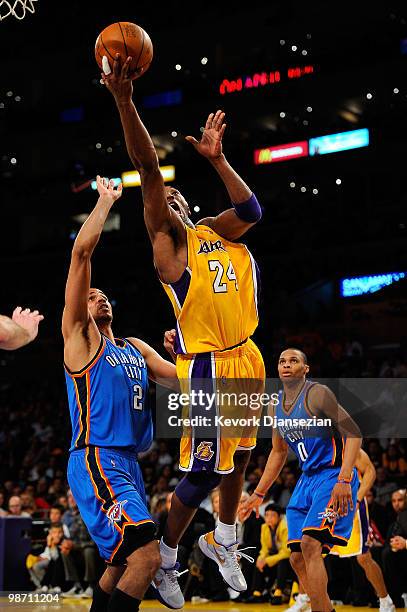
{"points": [[81, 251]]}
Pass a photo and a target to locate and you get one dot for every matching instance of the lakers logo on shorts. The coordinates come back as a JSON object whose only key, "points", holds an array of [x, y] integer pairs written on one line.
{"points": [[204, 451], [114, 514]]}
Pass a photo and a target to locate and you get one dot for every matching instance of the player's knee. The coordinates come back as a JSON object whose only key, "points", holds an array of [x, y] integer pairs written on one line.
{"points": [[296, 560], [364, 559], [310, 547], [145, 560], [195, 487]]}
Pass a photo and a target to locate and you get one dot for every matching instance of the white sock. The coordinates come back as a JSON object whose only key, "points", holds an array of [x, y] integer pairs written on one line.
{"points": [[168, 555], [225, 534], [302, 597], [386, 600]]}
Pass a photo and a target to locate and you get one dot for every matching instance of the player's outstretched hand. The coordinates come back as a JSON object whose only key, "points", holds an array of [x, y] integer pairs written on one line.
{"points": [[28, 320], [342, 498], [252, 504], [210, 145], [117, 80], [169, 339], [106, 189]]}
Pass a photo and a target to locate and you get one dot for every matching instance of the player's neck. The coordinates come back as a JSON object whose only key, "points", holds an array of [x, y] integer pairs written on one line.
{"points": [[292, 388], [106, 330]]}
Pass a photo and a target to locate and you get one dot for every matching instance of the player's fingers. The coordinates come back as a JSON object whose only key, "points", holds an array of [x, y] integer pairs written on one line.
{"points": [[350, 502], [192, 140], [219, 120], [208, 123], [105, 65], [222, 130], [216, 118], [40, 318], [26, 311], [126, 68], [35, 313], [117, 65], [17, 310]]}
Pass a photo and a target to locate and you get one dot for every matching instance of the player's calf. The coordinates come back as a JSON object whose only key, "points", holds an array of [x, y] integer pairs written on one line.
{"points": [[142, 565]]}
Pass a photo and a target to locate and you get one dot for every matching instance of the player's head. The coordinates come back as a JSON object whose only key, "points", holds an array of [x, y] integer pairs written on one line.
{"points": [[178, 203], [100, 307], [292, 363]]}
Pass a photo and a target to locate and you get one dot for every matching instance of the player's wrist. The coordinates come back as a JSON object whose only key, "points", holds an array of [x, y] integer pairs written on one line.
{"points": [[259, 494]]}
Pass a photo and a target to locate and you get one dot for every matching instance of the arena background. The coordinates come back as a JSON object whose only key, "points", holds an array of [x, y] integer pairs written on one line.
{"points": [[325, 218]]}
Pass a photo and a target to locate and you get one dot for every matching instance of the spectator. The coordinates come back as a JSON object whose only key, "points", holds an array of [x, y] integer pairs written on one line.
{"points": [[395, 550], [164, 457], [394, 463], [55, 518], [375, 452], [28, 503], [84, 549], [37, 566], [273, 560], [378, 518], [15, 507], [383, 488], [3, 512], [41, 498], [289, 482], [62, 501]]}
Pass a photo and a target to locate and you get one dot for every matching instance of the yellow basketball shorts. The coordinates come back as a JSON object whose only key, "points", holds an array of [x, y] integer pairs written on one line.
{"points": [[357, 543], [229, 382]]}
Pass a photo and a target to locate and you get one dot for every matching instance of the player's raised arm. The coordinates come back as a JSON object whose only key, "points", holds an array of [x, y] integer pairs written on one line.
{"points": [[76, 318], [20, 330], [158, 215], [272, 469], [246, 211]]}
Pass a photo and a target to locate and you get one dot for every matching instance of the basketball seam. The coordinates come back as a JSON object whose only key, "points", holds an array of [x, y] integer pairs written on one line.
{"points": [[125, 46], [141, 51], [101, 38]]}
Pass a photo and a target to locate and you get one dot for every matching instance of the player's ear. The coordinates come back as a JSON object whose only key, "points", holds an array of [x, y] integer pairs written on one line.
{"points": [[306, 369]]}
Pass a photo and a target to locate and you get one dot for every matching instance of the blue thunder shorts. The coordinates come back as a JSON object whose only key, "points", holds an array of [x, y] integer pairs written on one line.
{"points": [[108, 487], [309, 511]]}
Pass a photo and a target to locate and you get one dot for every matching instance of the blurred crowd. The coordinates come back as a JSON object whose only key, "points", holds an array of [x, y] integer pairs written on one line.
{"points": [[34, 451]]}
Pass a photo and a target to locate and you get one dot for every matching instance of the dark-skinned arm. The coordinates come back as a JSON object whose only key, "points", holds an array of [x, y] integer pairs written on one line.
{"points": [[272, 469], [158, 215], [368, 471], [76, 315], [322, 402], [228, 223]]}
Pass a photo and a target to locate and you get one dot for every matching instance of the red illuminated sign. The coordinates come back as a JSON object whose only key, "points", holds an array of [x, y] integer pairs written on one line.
{"points": [[280, 153], [261, 79]]}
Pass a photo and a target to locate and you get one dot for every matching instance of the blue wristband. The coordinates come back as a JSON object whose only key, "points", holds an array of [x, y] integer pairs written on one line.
{"points": [[249, 211]]}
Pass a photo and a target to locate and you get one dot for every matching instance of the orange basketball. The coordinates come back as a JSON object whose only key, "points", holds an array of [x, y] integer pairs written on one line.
{"points": [[128, 39]]}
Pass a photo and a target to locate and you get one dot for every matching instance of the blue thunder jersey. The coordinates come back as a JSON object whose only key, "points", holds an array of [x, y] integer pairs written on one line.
{"points": [[108, 399], [316, 447]]}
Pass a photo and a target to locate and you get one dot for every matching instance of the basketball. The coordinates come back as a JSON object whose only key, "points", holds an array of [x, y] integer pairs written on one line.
{"points": [[128, 39]]}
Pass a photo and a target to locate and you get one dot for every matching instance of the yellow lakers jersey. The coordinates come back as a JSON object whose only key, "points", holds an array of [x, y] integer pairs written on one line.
{"points": [[215, 300]]}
